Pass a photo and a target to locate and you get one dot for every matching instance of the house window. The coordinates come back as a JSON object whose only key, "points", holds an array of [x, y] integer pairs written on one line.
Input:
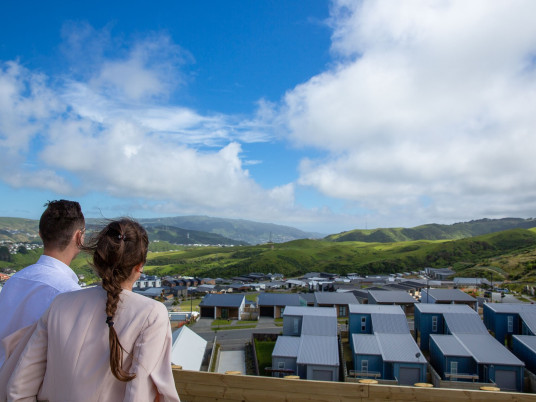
{"points": [[364, 366], [510, 323], [296, 326], [342, 311], [434, 323], [363, 324], [454, 368], [281, 365]]}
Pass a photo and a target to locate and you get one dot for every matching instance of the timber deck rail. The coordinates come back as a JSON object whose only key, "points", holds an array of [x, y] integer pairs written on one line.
{"points": [[196, 386]]}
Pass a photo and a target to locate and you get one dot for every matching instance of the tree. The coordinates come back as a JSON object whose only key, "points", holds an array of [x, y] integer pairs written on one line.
{"points": [[4, 254]]}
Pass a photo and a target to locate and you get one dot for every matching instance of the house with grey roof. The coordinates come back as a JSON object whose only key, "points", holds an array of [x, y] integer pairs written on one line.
{"points": [[480, 357], [447, 296], [524, 347], [391, 356], [461, 349], [441, 274], [382, 345], [224, 306], [507, 319], [471, 282], [432, 319], [273, 304], [309, 346], [393, 297], [339, 300]]}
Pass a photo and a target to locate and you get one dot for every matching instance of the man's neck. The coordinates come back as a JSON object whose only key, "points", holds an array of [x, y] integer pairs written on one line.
{"points": [[64, 256]]}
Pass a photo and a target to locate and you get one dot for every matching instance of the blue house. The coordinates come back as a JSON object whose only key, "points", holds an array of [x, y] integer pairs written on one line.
{"points": [[480, 357], [309, 346], [360, 320], [507, 319], [524, 347], [445, 319], [390, 356], [382, 345]]}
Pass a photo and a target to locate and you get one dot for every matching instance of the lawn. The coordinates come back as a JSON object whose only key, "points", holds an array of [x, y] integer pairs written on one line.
{"points": [[264, 355], [190, 305]]}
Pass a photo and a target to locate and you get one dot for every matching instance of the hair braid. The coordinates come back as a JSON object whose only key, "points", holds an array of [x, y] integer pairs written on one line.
{"points": [[118, 248]]}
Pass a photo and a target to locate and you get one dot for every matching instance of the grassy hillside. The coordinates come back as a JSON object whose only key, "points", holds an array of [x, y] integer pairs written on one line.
{"points": [[301, 256], [19, 230], [508, 255], [434, 231]]}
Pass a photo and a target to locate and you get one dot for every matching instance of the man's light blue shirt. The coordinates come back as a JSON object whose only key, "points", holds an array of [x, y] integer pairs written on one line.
{"points": [[28, 293]]}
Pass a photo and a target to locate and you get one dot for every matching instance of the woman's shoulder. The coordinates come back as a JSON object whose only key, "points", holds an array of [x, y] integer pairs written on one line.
{"points": [[80, 293], [144, 303]]}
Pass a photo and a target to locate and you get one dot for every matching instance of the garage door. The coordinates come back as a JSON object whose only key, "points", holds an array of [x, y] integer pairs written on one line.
{"points": [[322, 375], [266, 311], [207, 312], [409, 375], [506, 379]]}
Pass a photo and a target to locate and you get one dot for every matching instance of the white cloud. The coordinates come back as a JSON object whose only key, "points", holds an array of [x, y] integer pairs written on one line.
{"points": [[429, 100], [108, 130]]}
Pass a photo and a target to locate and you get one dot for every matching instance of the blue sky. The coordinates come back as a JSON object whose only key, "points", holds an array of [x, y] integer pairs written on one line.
{"points": [[323, 115]]}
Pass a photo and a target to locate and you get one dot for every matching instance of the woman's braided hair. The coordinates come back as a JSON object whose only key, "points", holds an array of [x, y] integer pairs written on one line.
{"points": [[116, 250]]}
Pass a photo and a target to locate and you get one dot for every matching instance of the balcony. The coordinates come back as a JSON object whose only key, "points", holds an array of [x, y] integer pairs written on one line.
{"points": [[207, 387]]}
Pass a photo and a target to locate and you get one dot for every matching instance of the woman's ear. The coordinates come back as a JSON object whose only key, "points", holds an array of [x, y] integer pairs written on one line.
{"points": [[139, 267]]}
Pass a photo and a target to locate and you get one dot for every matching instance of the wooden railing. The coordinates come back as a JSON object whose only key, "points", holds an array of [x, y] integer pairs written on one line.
{"points": [[208, 387]]}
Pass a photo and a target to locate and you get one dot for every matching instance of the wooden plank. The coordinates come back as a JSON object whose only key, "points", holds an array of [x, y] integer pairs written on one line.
{"points": [[203, 387]]}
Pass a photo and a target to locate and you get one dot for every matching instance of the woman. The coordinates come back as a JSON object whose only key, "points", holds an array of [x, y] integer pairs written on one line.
{"points": [[103, 343]]}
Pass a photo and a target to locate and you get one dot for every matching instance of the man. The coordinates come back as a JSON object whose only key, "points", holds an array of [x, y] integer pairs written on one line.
{"points": [[28, 293]]}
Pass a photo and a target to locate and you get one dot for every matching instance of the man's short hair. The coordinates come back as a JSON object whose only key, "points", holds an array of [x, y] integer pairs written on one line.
{"points": [[59, 222]]}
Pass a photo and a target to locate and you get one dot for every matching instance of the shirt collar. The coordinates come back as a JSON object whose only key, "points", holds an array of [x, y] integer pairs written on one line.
{"points": [[59, 265]]}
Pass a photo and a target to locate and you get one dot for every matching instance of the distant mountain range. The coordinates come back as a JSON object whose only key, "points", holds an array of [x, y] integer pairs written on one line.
{"points": [[434, 231], [178, 230], [238, 229], [209, 230]]}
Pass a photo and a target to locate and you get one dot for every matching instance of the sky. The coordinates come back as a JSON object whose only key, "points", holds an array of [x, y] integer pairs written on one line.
{"points": [[322, 115]]}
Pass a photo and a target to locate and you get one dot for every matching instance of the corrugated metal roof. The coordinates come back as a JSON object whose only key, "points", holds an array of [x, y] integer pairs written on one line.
{"points": [[444, 308], [224, 300], [391, 296], [277, 299], [529, 318], [365, 344], [528, 340], [449, 295], [335, 298], [450, 346], [389, 323], [374, 308], [188, 349], [465, 323], [303, 311], [511, 307], [286, 346], [321, 350], [319, 326], [399, 348], [488, 350]]}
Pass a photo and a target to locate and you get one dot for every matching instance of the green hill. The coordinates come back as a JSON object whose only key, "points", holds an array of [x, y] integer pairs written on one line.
{"points": [[302, 256], [434, 231]]}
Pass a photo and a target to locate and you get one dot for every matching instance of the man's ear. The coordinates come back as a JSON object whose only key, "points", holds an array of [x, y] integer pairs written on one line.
{"points": [[77, 237]]}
